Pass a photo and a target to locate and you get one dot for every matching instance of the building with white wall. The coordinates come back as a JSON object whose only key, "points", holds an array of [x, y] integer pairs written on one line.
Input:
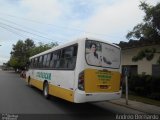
{"points": [[132, 48]]}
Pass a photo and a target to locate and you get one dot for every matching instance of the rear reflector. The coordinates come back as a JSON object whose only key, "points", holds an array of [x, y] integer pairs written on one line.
{"points": [[104, 86]]}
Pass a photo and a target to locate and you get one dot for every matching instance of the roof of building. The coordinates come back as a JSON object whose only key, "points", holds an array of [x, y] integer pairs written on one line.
{"points": [[137, 43]]}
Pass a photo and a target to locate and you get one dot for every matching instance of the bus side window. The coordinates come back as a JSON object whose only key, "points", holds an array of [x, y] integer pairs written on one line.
{"points": [[40, 61], [75, 51], [30, 65], [35, 63], [72, 60], [63, 60], [51, 61], [56, 59], [44, 61], [68, 57], [48, 60]]}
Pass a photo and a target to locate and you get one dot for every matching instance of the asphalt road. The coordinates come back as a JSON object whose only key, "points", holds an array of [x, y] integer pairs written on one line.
{"points": [[18, 98]]}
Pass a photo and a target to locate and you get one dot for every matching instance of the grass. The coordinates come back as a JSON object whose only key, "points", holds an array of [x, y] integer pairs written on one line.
{"points": [[143, 99]]}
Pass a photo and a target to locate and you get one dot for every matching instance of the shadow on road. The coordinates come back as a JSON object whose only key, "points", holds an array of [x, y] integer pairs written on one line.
{"points": [[75, 108]]}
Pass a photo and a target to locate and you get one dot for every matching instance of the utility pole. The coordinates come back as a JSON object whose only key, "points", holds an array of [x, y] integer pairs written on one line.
{"points": [[126, 81], [126, 89]]}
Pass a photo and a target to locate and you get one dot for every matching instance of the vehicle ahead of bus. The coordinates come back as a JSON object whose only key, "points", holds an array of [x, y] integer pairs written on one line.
{"points": [[84, 70]]}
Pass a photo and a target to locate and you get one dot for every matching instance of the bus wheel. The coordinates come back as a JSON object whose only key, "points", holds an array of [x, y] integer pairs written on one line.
{"points": [[46, 90]]}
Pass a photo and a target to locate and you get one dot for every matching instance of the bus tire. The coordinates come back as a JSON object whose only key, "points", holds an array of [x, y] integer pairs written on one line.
{"points": [[46, 90]]}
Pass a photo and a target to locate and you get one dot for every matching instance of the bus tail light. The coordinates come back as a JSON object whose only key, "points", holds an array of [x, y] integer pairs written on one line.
{"points": [[81, 81]]}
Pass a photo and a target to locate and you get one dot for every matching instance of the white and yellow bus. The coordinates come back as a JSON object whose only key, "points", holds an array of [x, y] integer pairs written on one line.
{"points": [[84, 70]]}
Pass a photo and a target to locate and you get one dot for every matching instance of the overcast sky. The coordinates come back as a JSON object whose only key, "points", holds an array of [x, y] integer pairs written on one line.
{"points": [[65, 20]]}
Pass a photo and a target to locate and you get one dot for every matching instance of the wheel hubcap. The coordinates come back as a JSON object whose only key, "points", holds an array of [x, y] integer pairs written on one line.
{"points": [[46, 91]]}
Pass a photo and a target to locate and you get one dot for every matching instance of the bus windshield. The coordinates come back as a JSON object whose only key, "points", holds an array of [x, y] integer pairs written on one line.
{"points": [[102, 54]]}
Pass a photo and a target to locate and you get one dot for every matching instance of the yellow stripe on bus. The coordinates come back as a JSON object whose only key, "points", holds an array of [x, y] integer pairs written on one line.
{"points": [[37, 83], [55, 90], [61, 93]]}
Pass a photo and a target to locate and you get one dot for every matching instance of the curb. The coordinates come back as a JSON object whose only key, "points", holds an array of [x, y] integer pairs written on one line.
{"points": [[131, 107]]}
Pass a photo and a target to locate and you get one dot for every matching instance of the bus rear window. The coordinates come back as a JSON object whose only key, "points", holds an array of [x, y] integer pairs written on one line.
{"points": [[102, 54]]}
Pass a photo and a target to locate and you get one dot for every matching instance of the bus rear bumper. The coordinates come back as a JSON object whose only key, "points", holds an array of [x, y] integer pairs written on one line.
{"points": [[81, 97]]}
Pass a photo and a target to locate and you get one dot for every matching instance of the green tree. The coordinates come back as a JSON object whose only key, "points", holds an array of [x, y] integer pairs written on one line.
{"points": [[147, 53], [28, 45], [20, 53], [148, 30], [42, 47], [150, 27], [22, 50]]}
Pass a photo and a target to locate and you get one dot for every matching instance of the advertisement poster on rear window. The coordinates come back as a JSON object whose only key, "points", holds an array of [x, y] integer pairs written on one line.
{"points": [[102, 54]]}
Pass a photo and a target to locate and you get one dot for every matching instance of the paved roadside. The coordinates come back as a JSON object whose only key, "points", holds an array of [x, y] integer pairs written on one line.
{"points": [[143, 107]]}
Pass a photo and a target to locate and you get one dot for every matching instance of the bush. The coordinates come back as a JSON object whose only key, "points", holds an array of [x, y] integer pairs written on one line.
{"points": [[155, 96], [139, 90], [144, 85]]}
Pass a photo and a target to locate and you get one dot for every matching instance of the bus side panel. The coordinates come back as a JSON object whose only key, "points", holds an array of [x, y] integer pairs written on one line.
{"points": [[62, 84], [37, 83], [61, 92]]}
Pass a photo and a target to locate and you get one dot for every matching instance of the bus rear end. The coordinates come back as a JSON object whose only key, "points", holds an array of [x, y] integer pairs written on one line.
{"points": [[100, 79]]}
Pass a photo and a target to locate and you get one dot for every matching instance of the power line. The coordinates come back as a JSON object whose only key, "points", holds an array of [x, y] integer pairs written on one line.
{"points": [[18, 34], [18, 24], [63, 27], [12, 31], [25, 31], [39, 22], [22, 26]]}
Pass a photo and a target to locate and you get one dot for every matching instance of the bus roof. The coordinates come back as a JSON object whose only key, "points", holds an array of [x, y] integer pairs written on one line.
{"points": [[71, 43]]}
